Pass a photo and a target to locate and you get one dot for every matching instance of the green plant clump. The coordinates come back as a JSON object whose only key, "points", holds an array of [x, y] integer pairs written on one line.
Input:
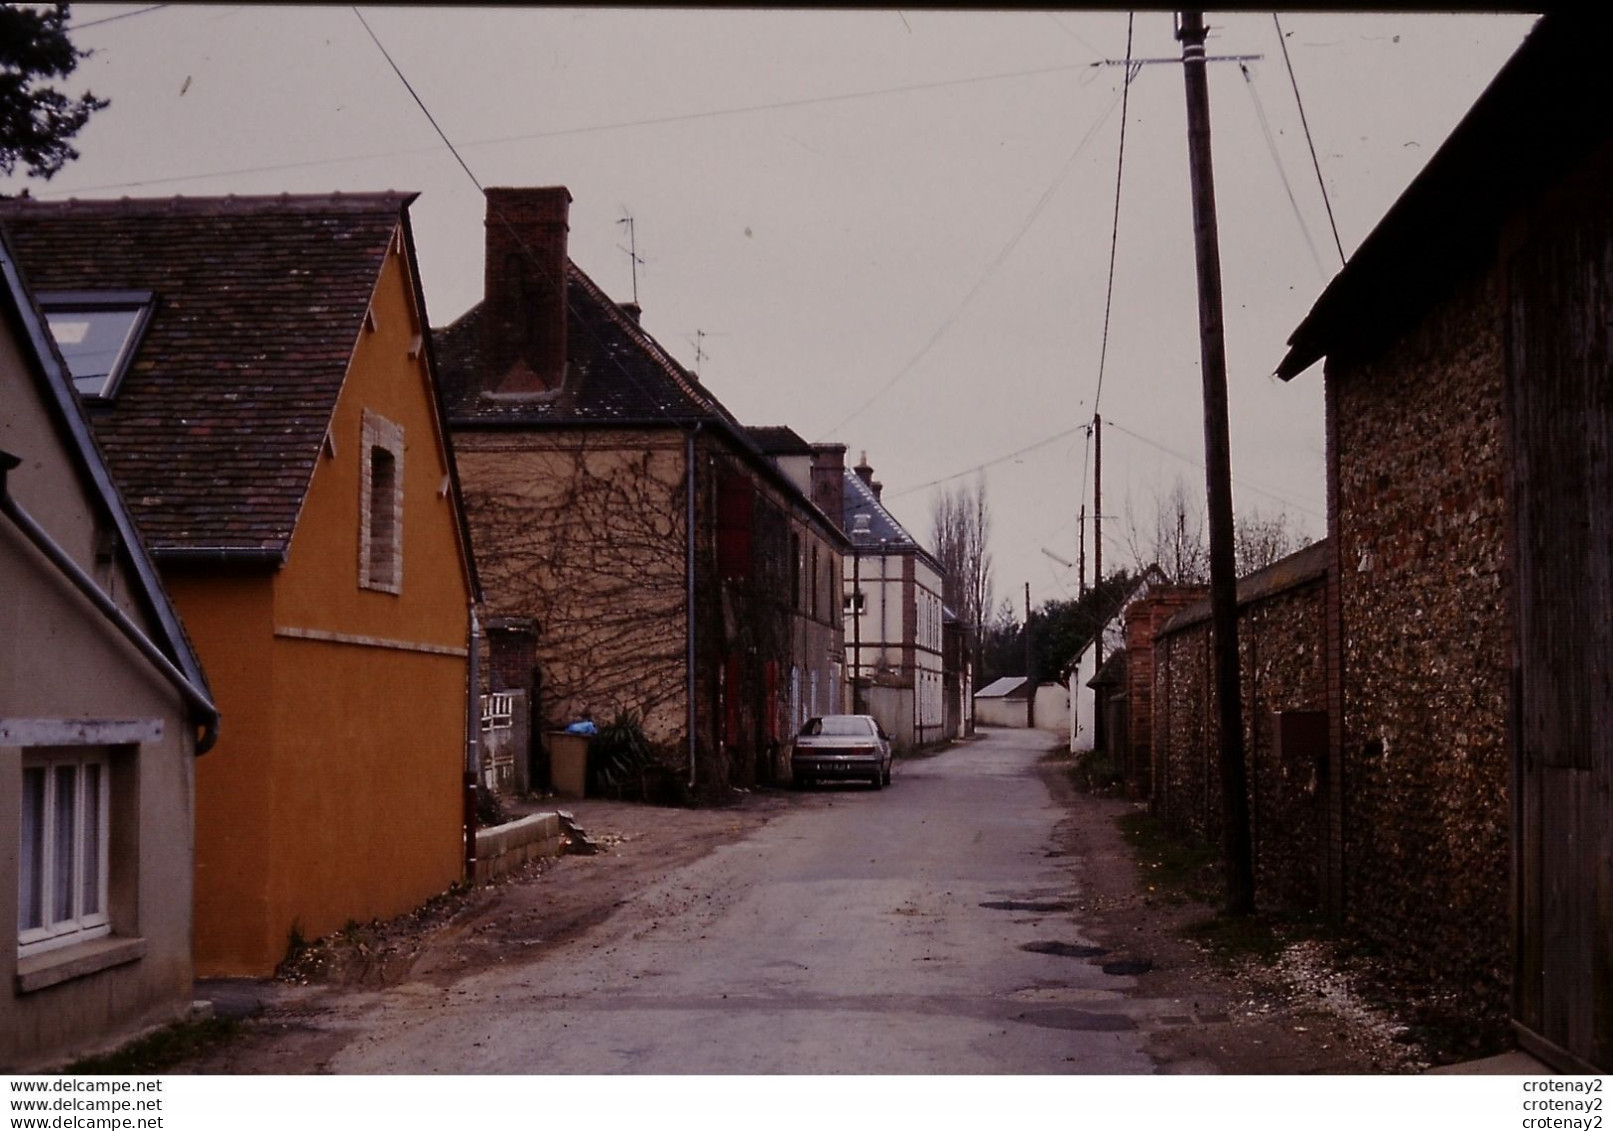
{"points": [[161, 1051], [620, 759]]}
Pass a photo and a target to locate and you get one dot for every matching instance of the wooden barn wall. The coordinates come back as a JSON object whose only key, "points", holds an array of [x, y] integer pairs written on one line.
{"points": [[1560, 401]]}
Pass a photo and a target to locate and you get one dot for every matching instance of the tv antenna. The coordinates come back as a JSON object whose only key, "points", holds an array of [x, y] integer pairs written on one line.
{"points": [[699, 344], [631, 249]]}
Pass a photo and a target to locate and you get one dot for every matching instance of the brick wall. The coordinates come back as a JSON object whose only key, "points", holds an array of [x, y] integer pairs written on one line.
{"points": [[1422, 662], [1144, 617], [524, 317]]}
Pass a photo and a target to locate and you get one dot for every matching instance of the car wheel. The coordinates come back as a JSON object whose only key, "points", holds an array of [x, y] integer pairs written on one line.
{"points": [[879, 779], [887, 775], [802, 782]]}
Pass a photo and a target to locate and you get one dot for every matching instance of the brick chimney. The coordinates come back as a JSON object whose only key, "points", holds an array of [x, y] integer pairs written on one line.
{"points": [[524, 299], [829, 481], [866, 474]]}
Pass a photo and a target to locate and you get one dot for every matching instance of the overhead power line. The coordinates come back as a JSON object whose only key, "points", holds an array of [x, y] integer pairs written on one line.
{"points": [[1277, 160], [991, 269], [1017, 452], [1317, 165], [407, 85], [537, 264], [573, 131], [114, 19], [1241, 481], [1114, 231]]}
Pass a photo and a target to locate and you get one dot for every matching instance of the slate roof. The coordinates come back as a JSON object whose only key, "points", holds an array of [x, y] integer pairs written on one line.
{"points": [[617, 374], [885, 535], [215, 431]]}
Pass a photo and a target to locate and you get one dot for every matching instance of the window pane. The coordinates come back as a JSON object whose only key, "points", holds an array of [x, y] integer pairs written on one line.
{"points": [[91, 342], [90, 890], [61, 879], [31, 880]]}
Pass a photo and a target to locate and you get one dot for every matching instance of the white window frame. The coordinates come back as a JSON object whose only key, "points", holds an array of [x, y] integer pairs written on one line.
{"points": [[79, 925]]}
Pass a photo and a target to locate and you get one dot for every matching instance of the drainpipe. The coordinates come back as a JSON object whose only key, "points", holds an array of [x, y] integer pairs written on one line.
{"points": [[689, 593], [45, 544], [856, 632], [473, 748]]}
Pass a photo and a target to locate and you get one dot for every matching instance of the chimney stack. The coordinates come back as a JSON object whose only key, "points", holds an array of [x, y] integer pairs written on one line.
{"points": [[829, 481], [866, 474], [524, 300], [633, 310]]}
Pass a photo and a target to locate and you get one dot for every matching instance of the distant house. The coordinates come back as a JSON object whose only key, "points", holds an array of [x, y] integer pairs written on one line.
{"points": [[103, 708], [258, 374], [957, 677], [1470, 503], [1083, 723], [1002, 702], [894, 618], [671, 568]]}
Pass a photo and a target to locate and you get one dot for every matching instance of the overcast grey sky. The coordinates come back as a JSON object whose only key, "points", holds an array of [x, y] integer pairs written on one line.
{"points": [[891, 227]]}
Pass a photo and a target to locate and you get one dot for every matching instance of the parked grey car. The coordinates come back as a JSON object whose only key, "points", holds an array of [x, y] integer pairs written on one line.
{"points": [[841, 746]]}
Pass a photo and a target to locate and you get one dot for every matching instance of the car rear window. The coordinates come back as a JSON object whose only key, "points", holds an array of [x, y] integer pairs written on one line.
{"points": [[839, 724]]}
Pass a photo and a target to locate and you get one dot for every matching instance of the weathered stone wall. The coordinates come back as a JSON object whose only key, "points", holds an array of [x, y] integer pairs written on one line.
{"points": [[1281, 646], [1416, 442], [1281, 629]]}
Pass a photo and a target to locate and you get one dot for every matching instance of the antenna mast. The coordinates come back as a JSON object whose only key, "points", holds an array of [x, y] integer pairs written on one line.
{"points": [[631, 249]]}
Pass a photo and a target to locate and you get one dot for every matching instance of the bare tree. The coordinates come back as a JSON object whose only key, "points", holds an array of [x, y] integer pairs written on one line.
{"points": [[1259, 540], [1175, 536], [1172, 537], [960, 531]]}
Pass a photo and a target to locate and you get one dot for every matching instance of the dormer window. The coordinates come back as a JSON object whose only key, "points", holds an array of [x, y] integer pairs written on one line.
{"points": [[97, 333]]}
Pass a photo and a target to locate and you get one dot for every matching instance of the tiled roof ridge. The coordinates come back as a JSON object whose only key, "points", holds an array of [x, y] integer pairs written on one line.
{"points": [[229, 203]]}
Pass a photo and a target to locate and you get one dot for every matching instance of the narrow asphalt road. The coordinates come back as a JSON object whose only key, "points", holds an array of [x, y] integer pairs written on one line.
{"points": [[924, 928]]}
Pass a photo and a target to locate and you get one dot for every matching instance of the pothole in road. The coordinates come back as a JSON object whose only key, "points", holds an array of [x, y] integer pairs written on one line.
{"points": [[1043, 905], [1079, 1020], [1128, 966], [1065, 949]]}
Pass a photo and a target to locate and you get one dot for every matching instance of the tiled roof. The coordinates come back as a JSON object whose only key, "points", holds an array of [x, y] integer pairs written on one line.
{"points": [[214, 433], [616, 373]]}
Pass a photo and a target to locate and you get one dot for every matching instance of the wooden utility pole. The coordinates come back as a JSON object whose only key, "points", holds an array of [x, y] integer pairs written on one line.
{"points": [[1218, 472], [1082, 525], [1098, 727]]}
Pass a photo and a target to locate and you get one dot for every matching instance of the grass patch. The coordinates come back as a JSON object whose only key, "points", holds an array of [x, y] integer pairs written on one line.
{"points": [[160, 1051], [1175, 869]]}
